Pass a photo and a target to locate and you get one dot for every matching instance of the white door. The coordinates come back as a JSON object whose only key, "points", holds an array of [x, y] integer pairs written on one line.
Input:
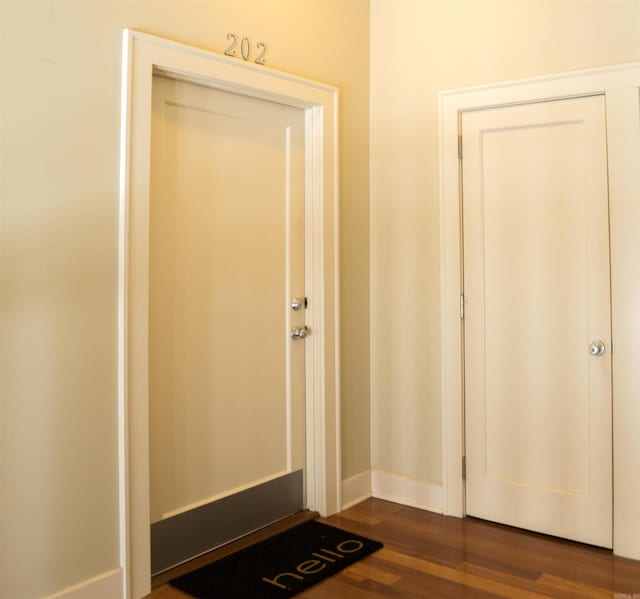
{"points": [[537, 304], [226, 380]]}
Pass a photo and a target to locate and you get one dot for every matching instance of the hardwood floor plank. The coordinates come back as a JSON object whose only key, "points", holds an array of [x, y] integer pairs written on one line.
{"points": [[463, 578], [364, 570], [579, 590], [353, 575], [536, 586], [343, 586], [414, 584], [363, 518]]}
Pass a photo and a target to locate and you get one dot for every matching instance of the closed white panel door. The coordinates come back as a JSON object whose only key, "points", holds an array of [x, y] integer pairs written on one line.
{"points": [[226, 381], [537, 309]]}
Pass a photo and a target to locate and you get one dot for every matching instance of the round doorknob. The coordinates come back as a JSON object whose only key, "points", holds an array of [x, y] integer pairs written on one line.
{"points": [[302, 333], [597, 348]]}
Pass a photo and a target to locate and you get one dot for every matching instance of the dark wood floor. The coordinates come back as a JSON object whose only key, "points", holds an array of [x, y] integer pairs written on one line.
{"points": [[427, 556]]}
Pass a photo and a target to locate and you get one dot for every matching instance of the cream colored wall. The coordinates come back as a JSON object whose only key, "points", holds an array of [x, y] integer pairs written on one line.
{"points": [[419, 47], [59, 136]]}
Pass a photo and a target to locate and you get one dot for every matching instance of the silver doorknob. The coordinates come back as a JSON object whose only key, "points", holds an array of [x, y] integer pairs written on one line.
{"points": [[597, 348], [302, 333]]}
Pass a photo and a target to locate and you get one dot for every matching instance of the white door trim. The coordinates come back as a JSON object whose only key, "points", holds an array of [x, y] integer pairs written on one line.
{"points": [[144, 55], [620, 85]]}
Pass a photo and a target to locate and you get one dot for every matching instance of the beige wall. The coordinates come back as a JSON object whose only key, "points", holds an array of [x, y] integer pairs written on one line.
{"points": [[419, 47], [59, 136]]}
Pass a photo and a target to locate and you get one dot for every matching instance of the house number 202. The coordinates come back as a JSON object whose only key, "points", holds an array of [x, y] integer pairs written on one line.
{"points": [[245, 48]]}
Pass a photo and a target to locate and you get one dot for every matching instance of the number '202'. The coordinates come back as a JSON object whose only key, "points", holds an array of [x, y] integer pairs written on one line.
{"points": [[245, 48]]}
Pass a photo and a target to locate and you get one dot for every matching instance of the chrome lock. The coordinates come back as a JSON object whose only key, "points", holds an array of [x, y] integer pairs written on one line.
{"points": [[299, 303], [302, 333], [597, 348]]}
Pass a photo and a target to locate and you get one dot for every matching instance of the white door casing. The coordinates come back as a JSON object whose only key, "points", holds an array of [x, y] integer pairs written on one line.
{"points": [[537, 293], [143, 56], [620, 85]]}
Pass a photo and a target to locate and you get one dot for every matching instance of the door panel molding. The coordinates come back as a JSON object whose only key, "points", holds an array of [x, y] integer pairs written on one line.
{"points": [[143, 56], [620, 84]]}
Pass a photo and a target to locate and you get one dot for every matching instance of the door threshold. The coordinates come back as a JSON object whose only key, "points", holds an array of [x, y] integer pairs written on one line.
{"points": [[232, 547]]}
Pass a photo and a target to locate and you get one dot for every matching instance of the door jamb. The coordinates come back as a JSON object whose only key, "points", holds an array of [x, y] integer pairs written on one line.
{"points": [[144, 55], [620, 85]]}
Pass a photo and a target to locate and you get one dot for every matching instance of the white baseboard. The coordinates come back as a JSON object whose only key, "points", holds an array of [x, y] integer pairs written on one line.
{"points": [[356, 489], [421, 494], [103, 586]]}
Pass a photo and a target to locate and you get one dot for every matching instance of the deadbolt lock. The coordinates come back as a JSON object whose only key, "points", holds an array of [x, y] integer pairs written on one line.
{"points": [[299, 303]]}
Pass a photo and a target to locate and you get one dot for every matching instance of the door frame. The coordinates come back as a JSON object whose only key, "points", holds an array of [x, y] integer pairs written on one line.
{"points": [[143, 56], [620, 84]]}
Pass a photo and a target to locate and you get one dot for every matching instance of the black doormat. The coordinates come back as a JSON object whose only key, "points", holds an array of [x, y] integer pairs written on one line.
{"points": [[280, 566]]}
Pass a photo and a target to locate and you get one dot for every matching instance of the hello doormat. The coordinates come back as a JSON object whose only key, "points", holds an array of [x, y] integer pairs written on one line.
{"points": [[280, 566]]}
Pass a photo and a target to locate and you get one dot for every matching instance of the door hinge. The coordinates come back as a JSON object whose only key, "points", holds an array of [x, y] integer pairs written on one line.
{"points": [[462, 307], [460, 147], [464, 467]]}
